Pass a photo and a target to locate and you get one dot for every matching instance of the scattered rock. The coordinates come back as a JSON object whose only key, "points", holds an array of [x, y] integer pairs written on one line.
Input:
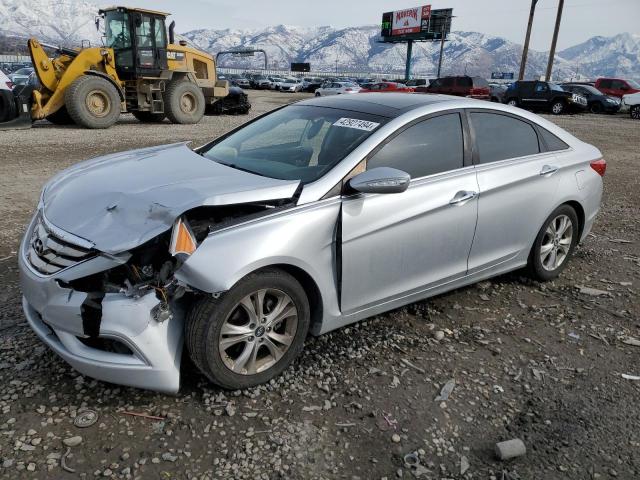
{"points": [[510, 449], [72, 441]]}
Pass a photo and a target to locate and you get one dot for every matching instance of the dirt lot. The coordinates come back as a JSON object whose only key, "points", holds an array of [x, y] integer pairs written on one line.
{"points": [[540, 362]]}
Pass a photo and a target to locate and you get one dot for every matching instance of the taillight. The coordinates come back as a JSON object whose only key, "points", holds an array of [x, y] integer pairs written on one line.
{"points": [[600, 166], [9, 84]]}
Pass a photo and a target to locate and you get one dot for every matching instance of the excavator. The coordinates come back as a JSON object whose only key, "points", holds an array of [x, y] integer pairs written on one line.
{"points": [[138, 70]]}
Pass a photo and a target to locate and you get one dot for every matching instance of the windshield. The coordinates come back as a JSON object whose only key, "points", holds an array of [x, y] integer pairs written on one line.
{"points": [[298, 142], [556, 87], [633, 84], [117, 30], [590, 89]]}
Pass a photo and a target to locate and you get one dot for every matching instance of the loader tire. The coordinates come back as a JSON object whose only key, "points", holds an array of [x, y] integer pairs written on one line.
{"points": [[92, 102], [184, 102], [60, 117], [8, 110], [149, 117]]}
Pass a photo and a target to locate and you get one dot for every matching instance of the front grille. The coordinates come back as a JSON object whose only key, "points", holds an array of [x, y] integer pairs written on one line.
{"points": [[49, 254]]}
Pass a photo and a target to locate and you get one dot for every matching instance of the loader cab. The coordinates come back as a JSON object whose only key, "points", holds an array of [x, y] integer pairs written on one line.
{"points": [[139, 41]]}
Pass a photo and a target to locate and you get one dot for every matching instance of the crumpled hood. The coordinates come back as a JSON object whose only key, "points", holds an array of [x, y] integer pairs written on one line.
{"points": [[122, 200]]}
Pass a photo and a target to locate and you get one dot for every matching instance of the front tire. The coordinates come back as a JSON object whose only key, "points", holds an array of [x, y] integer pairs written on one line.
{"points": [[558, 107], [317, 94], [184, 102], [596, 107], [251, 333], [554, 244], [512, 102], [635, 112], [92, 102]]}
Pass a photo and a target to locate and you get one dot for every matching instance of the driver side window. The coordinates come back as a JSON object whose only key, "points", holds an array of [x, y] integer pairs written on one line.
{"points": [[429, 147]]}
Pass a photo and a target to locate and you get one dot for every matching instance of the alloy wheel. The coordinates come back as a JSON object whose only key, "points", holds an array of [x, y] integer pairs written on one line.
{"points": [[635, 112], [557, 108], [556, 242], [258, 332]]}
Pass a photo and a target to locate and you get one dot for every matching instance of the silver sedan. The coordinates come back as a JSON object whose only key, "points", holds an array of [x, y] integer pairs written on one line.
{"points": [[302, 221]]}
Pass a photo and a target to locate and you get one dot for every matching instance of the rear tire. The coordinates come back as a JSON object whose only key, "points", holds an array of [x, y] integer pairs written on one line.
{"points": [[558, 107], [92, 102], [61, 117], [317, 94], [149, 117], [596, 107], [635, 112], [222, 355], [554, 245], [184, 102]]}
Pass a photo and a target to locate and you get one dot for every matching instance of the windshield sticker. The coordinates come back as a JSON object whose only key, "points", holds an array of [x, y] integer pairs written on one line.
{"points": [[356, 123]]}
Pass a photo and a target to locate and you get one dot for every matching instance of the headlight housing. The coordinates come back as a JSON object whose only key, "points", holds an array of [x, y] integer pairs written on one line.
{"points": [[183, 241]]}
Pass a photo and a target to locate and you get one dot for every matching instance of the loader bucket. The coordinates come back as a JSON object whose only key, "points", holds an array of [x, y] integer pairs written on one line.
{"points": [[15, 108]]}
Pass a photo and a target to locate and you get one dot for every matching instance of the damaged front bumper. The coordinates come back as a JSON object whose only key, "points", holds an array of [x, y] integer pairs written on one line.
{"points": [[129, 344]]}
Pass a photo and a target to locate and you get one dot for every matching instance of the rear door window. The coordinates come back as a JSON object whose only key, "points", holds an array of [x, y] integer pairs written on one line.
{"points": [[431, 146], [500, 137]]}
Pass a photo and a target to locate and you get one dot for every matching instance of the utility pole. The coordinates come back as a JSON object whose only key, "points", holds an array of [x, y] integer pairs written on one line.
{"points": [[407, 69], [556, 29], [525, 49], [442, 34]]}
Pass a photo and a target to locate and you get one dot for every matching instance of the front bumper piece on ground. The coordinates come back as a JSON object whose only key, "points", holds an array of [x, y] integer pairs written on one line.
{"points": [[149, 351]]}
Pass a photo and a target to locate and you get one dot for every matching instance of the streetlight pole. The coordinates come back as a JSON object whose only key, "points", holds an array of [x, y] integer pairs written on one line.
{"points": [[525, 49], [556, 30], [407, 69]]}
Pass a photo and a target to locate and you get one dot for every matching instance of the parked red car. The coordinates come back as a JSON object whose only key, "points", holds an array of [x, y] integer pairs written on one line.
{"points": [[387, 87], [463, 86], [617, 87]]}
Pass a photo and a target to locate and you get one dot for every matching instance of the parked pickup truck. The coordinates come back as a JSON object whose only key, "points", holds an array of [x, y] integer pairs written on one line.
{"points": [[538, 95]]}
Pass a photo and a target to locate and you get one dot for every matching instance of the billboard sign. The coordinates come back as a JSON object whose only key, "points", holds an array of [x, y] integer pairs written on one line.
{"points": [[419, 23], [410, 20], [502, 75], [300, 67]]}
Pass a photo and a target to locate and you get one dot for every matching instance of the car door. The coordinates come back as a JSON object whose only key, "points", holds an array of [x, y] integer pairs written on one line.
{"points": [[396, 245], [541, 95], [518, 186]]}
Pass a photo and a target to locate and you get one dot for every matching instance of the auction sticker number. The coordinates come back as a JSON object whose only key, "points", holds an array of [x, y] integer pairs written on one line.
{"points": [[356, 123]]}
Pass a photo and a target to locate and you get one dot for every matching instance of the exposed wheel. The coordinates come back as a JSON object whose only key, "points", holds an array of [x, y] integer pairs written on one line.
{"points": [[554, 244], [184, 102], [61, 117], [149, 117], [635, 112], [557, 108], [92, 102], [513, 102], [317, 94], [596, 107], [251, 333]]}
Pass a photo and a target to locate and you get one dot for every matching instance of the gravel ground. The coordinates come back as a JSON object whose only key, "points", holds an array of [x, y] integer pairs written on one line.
{"points": [[539, 362]]}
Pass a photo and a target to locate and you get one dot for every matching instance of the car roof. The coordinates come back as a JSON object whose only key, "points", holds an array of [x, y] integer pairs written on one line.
{"points": [[383, 104]]}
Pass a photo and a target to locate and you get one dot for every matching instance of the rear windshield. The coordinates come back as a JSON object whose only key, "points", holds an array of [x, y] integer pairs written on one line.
{"points": [[298, 142]]}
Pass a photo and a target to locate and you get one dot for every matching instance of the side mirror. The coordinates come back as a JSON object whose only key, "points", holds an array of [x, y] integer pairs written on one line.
{"points": [[381, 180]]}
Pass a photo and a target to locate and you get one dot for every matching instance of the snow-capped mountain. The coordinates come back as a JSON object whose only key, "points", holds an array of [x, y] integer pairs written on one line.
{"points": [[61, 21], [68, 22], [610, 56]]}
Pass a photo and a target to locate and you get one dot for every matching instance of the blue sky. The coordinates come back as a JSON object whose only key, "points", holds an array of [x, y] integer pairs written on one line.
{"points": [[582, 19]]}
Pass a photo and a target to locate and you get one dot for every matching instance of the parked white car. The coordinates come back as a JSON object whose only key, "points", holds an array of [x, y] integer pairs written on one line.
{"points": [[5, 82], [290, 85], [632, 102], [337, 88], [275, 83]]}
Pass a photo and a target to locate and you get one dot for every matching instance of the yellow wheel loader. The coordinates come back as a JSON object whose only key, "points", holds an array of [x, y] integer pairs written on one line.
{"points": [[137, 71]]}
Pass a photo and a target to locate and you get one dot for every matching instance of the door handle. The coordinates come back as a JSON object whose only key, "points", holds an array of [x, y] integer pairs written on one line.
{"points": [[462, 197], [548, 170]]}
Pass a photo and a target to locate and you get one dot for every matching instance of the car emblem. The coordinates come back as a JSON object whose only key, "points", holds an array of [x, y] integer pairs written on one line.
{"points": [[38, 246]]}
